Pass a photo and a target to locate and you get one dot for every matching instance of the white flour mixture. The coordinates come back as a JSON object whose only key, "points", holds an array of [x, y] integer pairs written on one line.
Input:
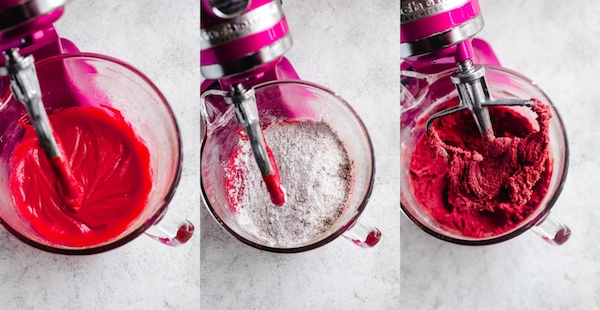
{"points": [[315, 172]]}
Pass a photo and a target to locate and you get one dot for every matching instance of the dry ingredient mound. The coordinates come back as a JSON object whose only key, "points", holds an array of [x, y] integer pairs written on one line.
{"points": [[315, 171]]}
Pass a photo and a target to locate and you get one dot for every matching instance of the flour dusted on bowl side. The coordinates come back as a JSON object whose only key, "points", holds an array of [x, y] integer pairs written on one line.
{"points": [[315, 171]]}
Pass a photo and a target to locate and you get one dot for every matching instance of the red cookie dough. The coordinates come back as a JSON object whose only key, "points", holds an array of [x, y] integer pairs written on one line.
{"points": [[481, 188]]}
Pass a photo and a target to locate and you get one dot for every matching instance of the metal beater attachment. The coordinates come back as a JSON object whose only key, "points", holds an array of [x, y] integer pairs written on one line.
{"points": [[474, 95], [246, 114], [26, 88]]}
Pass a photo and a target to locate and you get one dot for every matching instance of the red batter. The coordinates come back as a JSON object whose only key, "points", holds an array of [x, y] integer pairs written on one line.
{"points": [[272, 181], [67, 183], [483, 188], [110, 164]]}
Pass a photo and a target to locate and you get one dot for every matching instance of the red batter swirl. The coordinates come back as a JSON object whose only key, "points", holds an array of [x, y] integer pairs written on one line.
{"points": [[272, 181], [110, 164], [483, 188]]}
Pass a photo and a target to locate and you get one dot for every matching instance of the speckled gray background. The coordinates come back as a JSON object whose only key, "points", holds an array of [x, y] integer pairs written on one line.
{"points": [[352, 49], [555, 43], [160, 39]]}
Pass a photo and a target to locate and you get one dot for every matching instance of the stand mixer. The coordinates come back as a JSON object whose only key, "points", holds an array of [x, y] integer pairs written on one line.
{"points": [[27, 27], [48, 74], [242, 45], [442, 60], [240, 55], [432, 31]]}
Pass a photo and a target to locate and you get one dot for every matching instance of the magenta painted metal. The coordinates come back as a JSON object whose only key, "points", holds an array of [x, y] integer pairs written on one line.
{"points": [[440, 22], [484, 54], [244, 46], [276, 70], [36, 37], [477, 50], [280, 70], [7, 4], [30, 29], [481, 53], [463, 51]]}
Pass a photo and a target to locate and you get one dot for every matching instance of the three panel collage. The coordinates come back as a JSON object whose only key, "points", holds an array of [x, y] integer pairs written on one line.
{"points": [[269, 154]]}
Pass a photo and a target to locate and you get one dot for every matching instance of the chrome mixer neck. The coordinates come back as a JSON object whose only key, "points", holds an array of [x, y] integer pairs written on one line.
{"points": [[475, 96], [26, 88], [246, 113]]}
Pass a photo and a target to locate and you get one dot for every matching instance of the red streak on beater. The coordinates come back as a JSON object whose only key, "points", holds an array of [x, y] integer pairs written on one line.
{"points": [[273, 182], [67, 184]]}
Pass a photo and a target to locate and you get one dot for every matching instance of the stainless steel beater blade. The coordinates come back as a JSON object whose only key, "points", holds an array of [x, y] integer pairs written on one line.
{"points": [[26, 88], [474, 95], [246, 114]]}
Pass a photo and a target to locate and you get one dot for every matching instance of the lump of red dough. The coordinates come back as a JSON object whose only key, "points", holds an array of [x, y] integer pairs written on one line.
{"points": [[501, 176]]}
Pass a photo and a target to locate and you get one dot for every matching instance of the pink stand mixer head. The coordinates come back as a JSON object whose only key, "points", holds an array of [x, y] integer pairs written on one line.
{"points": [[437, 43], [431, 30], [67, 79], [239, 41], [242, 45], [22, 20]]}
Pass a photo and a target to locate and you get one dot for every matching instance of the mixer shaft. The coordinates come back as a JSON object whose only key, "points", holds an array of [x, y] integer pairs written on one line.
{"points": [[474, 95], [246, 114], [26, 89]]}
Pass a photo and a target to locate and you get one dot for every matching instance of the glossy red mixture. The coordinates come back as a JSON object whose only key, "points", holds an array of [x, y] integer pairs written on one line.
{"points": [[110, 164], [68, 185], [483, 188]]}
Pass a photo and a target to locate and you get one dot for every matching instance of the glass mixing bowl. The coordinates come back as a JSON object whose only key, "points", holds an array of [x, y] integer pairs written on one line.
{"points": [[423, 95]]}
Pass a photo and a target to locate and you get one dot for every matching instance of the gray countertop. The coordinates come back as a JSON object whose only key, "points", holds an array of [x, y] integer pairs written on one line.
{"points": [[353, 50], [553, 43], [161, 41], [349, 49]]}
